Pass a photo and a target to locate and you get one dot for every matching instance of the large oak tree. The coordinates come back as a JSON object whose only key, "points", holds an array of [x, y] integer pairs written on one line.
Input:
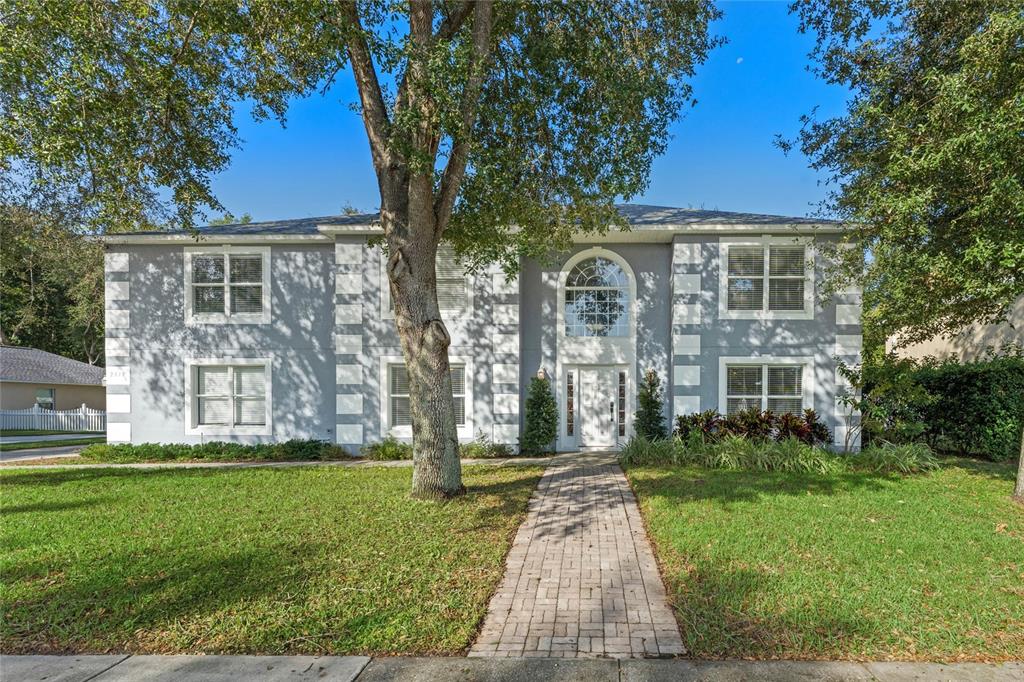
{"points": [[500, 127]]}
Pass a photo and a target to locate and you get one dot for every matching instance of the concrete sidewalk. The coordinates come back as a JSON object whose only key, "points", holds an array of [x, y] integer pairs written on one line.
{"points": [[6, 440], [361, 668]]}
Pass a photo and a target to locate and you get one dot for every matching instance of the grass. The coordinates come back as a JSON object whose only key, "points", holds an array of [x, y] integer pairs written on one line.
{"points": [[40, 432], [270, 561], [851, 565], [36, 444]]}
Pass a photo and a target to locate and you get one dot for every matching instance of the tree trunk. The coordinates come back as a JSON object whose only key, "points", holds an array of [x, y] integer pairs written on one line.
{"points": [[437, 472], [1018, 491]]}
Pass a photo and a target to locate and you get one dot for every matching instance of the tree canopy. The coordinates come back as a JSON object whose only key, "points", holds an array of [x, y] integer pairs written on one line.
{"points": [[927, 162]]}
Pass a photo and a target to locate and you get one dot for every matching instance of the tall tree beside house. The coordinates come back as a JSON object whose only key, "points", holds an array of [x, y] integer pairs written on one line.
{"points": [[650, 411], [480, 116], [928, 160], [540, 421]]}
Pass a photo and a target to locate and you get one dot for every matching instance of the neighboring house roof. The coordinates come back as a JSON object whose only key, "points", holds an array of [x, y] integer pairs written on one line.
{"points": [[29, 365], [640, 217]]}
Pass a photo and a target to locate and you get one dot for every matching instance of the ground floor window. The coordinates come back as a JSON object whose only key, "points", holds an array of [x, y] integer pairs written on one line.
{"points": [[398, 394], [775, 387], [46, 398], [227, 396], [231, 395]]}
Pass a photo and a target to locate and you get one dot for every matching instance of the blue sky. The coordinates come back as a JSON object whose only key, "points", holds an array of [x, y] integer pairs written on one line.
{"points": [[721, 155]]}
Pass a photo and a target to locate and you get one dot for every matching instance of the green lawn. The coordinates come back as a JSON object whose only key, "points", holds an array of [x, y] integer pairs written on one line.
{"points": [[36, 444], [297, 560], [852, 566]]}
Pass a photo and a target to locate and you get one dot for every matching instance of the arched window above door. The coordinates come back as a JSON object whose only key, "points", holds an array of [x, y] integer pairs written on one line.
{"points": [[597, 299]]}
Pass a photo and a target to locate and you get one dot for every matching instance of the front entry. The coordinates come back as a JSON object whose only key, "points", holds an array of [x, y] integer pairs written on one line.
{"points": [[598, 407]]}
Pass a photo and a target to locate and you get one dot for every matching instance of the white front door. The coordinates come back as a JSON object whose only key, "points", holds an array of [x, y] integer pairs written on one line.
{"points": [[598, 391]]}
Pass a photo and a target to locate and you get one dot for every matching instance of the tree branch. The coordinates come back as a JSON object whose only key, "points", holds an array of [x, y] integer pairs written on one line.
{"points": [[453, 22], [455, 169], [375, 114]]}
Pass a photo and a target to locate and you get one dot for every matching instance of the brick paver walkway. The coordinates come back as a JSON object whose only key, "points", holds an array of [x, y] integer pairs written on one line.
{"points": [[580, 579]]}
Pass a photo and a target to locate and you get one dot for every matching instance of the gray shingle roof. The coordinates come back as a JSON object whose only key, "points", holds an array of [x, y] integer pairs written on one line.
{"points": [[39, 367], [638, 215]]}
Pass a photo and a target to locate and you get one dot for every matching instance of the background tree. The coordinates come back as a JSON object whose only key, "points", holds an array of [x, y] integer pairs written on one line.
{"points": [[229, 218], [51, 287], [927, 162], [540, 422], [650, 412], [500, 127]]}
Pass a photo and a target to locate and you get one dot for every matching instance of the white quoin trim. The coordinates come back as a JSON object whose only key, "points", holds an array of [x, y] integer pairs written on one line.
{"points": [[686, 284], [686, 344], [119, 432], [115, 262], [348, 434], [348, 374], [686, 375]]}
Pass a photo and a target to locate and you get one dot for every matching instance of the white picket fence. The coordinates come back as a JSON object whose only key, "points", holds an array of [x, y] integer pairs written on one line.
{"points": [[39, 418]]}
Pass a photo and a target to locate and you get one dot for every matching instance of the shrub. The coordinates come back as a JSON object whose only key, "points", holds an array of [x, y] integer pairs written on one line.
{"points": [[483, 448], [974, 408], [708, 424], [650, 413], [541, 421], [905, 458], [216, 451], [388, 449], [755, 425], [732, 452], [978, 407]]}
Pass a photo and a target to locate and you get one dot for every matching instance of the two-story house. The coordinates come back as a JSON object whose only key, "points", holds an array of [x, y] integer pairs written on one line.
{"points": [[280, 330]]}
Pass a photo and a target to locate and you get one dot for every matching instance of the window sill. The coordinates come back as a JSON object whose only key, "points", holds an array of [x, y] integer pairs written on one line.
{"points": [[214, 319], [765, 315], [261, 430]]}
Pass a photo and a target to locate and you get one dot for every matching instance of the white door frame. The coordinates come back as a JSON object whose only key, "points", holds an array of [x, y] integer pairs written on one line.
{"points": [[580, 410]]}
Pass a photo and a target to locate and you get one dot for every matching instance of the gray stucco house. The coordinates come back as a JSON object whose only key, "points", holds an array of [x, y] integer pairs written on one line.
{"points": [[279, 330]]}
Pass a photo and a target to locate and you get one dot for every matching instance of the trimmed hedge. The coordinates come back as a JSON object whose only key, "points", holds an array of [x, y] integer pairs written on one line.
{"points": [[979, 406], [974, 408], [217, 451]]}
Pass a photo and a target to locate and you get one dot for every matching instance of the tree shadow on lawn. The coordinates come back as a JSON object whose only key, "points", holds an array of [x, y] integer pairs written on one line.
{"points": [[135, 601], [691, 484], [714, 607]]}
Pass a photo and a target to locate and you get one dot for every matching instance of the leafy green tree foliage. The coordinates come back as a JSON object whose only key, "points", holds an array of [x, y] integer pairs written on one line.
{"points": [[502, 128], [927, 162], [230, 219], [51, 287], [541, 419], [650, 413]]}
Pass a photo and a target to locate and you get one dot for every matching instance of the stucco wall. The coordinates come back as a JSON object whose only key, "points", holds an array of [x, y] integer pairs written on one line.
{"points": [[972, 343], [298, 341], [15, 395], [330, 328]]}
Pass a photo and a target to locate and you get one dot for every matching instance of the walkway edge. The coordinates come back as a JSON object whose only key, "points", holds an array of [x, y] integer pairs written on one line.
{"points": [[106, 668]]}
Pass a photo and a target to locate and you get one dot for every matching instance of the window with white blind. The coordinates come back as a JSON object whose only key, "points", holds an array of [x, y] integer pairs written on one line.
{"points": [[223, 285], [454, 296], [229, 396], [770, 278], [776, 387], [399, 414]]}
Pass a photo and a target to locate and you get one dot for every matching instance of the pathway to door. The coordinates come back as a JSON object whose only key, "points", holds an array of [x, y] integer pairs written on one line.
{"points": [[580, 579]]}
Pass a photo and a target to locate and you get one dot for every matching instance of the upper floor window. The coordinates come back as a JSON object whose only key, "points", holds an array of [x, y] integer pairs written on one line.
{"points": [[227, 286], [769, 279], [597, 299], [453, 290]]}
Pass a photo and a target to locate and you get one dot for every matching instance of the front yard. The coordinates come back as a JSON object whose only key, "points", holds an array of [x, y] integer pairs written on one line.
{"points": [[847, 566], [298, 560]]}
